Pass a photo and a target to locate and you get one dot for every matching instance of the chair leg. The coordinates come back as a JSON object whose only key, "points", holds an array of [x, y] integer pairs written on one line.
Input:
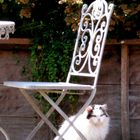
{"points": [[4, 133], [58, 109], [37, 109], [39, 125], [65, 116], [89, 100]]}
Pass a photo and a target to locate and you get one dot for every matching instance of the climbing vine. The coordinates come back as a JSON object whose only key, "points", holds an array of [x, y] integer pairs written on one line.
{"points": [[51, 56]]}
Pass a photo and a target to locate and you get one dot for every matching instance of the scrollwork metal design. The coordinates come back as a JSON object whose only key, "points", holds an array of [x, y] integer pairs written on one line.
{"points": [[6, 27], [91, 36]]}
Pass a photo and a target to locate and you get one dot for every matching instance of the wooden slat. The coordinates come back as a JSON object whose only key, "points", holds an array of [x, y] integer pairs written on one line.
{"points": [[130, 42], [15, 41], [135, 129], [125, 93], [28, 41]]}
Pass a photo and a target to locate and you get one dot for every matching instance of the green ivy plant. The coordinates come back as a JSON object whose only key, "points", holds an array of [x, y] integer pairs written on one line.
{"points": [[50, 59]]}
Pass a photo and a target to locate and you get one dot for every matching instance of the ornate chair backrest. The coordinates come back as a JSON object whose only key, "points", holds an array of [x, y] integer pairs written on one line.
{"points": [[90, 40]]}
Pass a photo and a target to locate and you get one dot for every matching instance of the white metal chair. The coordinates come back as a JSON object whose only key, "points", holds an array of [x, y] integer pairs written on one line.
{"points": [[85, 63]]}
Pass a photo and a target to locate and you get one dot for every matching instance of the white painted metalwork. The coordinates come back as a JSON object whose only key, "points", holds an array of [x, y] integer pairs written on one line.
{"points": [[91, 38], [6, 27], [86, 61], [4, 133]]}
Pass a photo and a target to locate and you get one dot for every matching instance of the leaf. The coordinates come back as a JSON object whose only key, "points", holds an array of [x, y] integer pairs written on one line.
{"points": [[1, 1]]}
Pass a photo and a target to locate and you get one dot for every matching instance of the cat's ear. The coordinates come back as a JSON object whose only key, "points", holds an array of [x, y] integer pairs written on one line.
{"points": [[104, 106]]}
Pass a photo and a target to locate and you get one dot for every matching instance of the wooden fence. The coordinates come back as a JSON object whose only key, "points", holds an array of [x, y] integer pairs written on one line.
{"points": [[127, 49], [118, 86]]}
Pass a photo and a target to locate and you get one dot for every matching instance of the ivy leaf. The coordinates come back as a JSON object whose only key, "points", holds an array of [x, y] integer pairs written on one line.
{"points": [[1, 1]]}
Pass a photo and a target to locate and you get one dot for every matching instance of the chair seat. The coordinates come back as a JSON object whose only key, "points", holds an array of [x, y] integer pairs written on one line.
{"points": [[47, 85]]}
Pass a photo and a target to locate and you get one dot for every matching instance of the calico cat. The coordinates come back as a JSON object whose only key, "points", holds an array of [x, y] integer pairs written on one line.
{"points": [[93, 123]]}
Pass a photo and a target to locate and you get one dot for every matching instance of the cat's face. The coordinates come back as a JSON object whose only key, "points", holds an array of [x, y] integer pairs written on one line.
{"points": [[97, 113]]}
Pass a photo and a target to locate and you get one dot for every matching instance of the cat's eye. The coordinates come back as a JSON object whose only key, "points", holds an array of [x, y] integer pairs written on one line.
{"points": [[101, 108]]}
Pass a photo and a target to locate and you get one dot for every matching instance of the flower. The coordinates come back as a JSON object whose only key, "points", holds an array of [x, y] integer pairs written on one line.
{"points": [[22, 1], [25, 12]]}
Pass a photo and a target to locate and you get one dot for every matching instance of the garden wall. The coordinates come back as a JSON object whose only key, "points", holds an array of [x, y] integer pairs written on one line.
{"points": [[118, 86]]}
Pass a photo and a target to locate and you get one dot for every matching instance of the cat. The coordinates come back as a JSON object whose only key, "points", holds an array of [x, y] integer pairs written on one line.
{"points": [[93, 123]]}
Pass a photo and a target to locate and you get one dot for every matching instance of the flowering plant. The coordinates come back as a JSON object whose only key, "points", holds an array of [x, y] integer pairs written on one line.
{"points": [[32, 15]]}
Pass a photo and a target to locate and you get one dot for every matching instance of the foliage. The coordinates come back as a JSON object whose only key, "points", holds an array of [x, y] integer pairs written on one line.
{"points": [[125, 19], [31, 16], [51, 60]]}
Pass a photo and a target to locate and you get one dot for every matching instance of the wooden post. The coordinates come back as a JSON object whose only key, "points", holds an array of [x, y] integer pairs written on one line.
{"points": [[125, 92]]}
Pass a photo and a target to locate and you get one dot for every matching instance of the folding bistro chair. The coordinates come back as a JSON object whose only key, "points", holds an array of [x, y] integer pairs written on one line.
{"points": [[85, 63]]}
